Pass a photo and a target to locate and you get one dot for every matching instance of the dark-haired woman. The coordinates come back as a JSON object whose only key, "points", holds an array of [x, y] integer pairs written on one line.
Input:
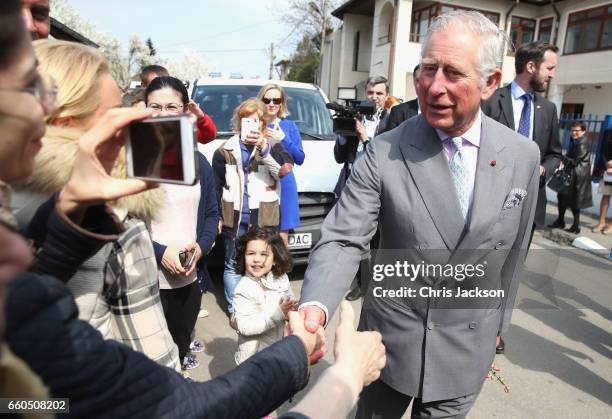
{"points": [[187, 223], [579, 194]]}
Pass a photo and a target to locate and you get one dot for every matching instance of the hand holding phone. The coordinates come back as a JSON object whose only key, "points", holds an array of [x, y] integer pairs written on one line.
{"points": [[250, 130], [171, 260]]}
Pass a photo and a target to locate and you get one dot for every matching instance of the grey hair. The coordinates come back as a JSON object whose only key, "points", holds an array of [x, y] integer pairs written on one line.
{"points": [[491, 51], [372, 80]]}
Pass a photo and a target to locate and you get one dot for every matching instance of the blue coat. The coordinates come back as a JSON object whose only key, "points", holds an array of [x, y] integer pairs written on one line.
{"points": [[289, 205]]}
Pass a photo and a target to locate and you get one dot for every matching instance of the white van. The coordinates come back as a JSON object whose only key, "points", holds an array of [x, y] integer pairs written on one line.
{"points": [[317, 177]]}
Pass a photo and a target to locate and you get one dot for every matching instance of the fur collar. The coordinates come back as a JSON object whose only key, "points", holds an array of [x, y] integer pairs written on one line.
{"points": [[54, 163]]}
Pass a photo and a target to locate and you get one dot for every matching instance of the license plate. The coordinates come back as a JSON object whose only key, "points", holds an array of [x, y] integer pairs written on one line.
{"points": [[300, 241]]}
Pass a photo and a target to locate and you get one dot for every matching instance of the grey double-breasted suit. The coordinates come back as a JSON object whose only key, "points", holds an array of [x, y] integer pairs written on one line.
{"points": [[403, 186]]}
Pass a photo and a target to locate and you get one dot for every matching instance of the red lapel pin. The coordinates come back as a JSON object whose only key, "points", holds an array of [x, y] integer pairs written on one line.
{"points": [[493, 163]]}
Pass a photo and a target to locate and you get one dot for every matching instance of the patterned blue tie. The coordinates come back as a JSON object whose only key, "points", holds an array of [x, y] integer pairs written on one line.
{"points": [[525, 121], [459, 171]]}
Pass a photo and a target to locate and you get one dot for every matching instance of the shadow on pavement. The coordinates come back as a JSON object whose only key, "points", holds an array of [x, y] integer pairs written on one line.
{"points": [[533, 352], [222, 359]]}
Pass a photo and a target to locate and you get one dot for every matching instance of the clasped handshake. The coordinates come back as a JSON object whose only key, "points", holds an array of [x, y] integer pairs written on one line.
{"points": [[359, 356]]}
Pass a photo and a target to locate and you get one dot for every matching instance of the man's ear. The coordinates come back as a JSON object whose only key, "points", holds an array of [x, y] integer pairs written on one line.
{"points": [[491, 84]]}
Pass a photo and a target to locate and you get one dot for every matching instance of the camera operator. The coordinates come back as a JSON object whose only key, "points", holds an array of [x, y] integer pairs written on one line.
{"points": [[350, 147]]}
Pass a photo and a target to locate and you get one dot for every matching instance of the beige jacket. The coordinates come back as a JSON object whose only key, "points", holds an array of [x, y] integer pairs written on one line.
{"points": [[258, 317]]}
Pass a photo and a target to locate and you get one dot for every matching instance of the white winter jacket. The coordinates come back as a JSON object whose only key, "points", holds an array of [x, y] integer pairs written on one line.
{"points": [[258, 317]]}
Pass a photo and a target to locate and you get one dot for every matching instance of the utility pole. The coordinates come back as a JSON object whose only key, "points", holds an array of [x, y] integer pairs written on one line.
{"points": [[271, 60], [323, 29]]}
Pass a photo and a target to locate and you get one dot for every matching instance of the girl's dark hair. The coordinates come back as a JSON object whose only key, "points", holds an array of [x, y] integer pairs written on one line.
{"points": [[13, 34], [283, 262], [163, 82]]}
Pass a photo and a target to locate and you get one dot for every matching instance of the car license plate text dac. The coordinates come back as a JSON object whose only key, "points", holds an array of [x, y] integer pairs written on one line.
{"points": [[300, 241]]}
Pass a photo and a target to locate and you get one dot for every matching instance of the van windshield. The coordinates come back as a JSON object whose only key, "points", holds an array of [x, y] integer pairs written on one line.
{"points": [[306, 108]]}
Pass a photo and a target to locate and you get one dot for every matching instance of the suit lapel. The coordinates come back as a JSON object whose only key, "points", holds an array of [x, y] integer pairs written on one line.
{"points": [[490, 186], [423, 154], [538, 116], [505, 106]]}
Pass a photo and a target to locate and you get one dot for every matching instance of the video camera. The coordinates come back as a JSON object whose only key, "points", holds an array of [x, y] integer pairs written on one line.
{"points": [[346, 116]]}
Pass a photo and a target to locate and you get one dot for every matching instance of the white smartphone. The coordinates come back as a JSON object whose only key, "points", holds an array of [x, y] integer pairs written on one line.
{"points": [[163, 149], [247, 125]]}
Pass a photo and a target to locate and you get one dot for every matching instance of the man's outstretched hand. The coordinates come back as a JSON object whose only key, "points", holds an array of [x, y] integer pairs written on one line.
{"points": [[359, 355], [313, 317], [313, 341]]}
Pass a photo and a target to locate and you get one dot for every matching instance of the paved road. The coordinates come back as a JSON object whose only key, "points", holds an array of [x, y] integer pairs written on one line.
{"points": [[558, 361]]}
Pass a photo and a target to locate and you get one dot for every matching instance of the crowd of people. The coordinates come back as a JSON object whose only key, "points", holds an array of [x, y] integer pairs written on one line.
{"points": [[102, 278], [99, 307]]}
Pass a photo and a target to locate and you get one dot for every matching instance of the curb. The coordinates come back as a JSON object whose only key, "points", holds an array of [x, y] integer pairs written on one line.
{"points": [[583, 243], [590, 245]]}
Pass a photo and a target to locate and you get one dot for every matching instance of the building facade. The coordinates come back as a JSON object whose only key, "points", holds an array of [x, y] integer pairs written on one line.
{"points": [[382, 37]]}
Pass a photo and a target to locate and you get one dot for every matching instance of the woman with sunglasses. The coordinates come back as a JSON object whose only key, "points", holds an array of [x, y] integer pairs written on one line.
{"points": [[187, 224], [284, 130]]}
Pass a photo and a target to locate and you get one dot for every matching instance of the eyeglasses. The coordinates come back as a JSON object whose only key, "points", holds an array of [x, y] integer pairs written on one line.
{"points": [[276, 100], [169, 107], [44, 92]]}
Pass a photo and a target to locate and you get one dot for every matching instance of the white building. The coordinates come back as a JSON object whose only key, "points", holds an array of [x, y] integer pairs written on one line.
{"points": [[381, 37]]}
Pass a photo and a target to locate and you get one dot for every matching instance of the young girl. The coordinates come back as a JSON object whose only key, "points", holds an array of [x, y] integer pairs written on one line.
{"points": [[263, 297]]}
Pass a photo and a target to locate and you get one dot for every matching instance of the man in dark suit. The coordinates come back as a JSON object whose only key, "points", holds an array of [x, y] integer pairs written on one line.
{"points": [[521, 107], [405, 110]]}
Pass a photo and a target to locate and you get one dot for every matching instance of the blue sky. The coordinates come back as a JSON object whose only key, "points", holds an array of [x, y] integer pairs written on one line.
{"points": [[231, 35]]}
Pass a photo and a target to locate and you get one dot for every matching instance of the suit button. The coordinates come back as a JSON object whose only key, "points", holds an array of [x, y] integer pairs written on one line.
{"points": [[430, 326], [472, 325], [499, 245]]}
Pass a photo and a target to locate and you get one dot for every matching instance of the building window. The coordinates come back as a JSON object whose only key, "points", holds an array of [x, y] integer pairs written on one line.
{"points": [[545, 30], [589, 30], [522, 31], [384, 25], [422, 19], [356, 52]]}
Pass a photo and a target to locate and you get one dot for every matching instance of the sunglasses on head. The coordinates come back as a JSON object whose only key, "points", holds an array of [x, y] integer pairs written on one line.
{"points": [[276, 100]]}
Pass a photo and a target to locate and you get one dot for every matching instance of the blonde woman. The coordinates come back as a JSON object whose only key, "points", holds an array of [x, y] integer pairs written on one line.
{"points": [[123, 275], [247, 171], [284, 130]]}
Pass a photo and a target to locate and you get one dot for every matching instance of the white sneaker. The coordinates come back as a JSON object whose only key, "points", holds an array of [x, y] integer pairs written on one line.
{"points": [[196, 346], [203, 313]]}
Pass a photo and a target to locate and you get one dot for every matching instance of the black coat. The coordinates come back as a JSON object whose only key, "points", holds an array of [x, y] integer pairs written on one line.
{"points": [[401, 113], [580, 194], [103, 378], [545, 134]]}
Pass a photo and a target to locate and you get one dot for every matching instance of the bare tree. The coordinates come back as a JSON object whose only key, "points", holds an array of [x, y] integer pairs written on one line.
{"points": [[139, 54], [110, 47], [307, 17]]}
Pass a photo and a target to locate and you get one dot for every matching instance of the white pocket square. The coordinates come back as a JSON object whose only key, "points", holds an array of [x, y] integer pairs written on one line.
{"points": [[514, 198]]}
